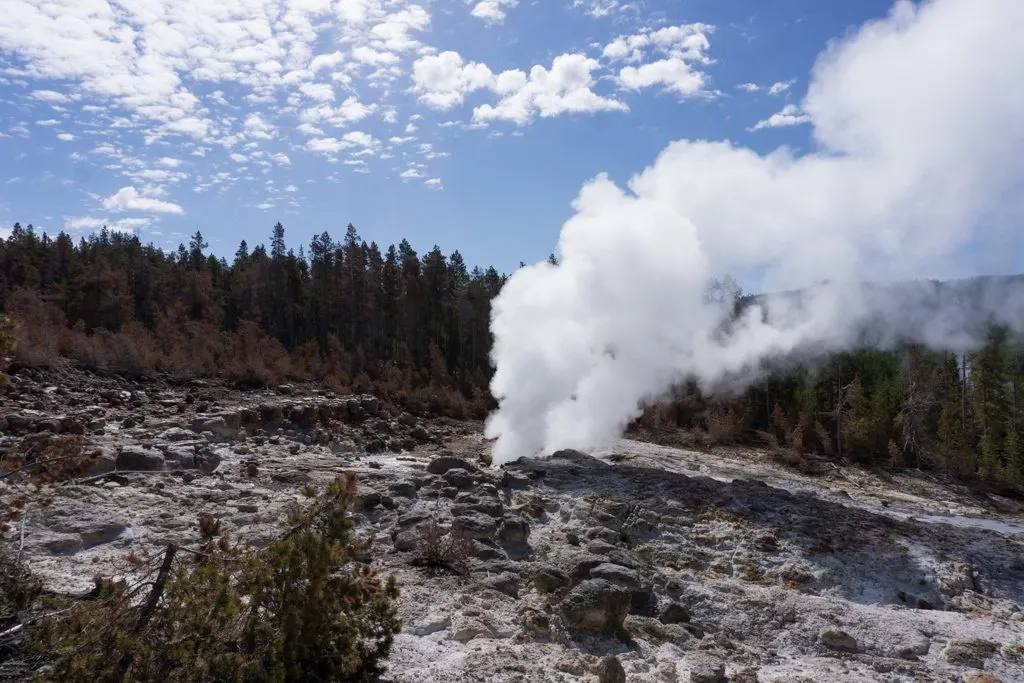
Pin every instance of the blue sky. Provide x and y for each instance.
(469, 124)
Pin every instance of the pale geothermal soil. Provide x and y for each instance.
(692, 563)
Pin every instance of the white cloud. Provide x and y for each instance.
(317, 91)
(626, 48)
(492, 11)
(65, 137)
(444, 80)
(791, 115)
(748, 87)
(89, 223)
(238, 158)
(49, 96)
(781, 87)
(309, 129)
(48, 122)
(394, 32)
(673, 74)
(682, 50)
(433, 183)
(326, 61)
(368, 55)
(169, 162)
(411, 174)
(325, 145)
(159, 175)
(599, 9)
(282, 159)
(259, 128)
(564, 89)
(349, 111)
(128, 199)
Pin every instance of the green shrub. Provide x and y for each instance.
(300, 609)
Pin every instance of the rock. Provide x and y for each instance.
(295, 478)
(673, 613)
(705, 668)
(285, 389)
(834, 639)
(406, 540)
(369, 404)
(514, 532)
(139, 458)
(403, 489)
(105, 462)
(176, 434)
(72, 425)
(610, 670)
(476, 526)
(627, 578)
(446, 463)
(207, 460)
(101, 533)
(595, 604)
(465, 629)
(224, 425)
(90, 530)
(460, 479)
(535, 623)
(969, 652)
(62, 544)
(420, 433)
(550, 580)
(506, 582)
(182, 457)
(581, 569)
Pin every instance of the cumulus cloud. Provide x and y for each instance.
(781, 86)
(682, 50)
(491, 11)
(565, 88)
(49, 96)
(600, 9)
(916, 155)
(444, 80)
(791, 115)
(128, 199)
(317, 91)
(65, 137)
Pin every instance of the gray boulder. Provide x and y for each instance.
(139, 458)
(596, 605)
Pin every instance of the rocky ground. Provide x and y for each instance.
(643, 564)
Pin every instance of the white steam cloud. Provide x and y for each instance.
(918, 123)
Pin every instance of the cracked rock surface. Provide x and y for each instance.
(644, 564)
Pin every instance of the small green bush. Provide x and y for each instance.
(300, 609)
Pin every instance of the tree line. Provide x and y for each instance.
(414, 328)
(343, 312)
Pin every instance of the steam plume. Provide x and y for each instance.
(918, 124)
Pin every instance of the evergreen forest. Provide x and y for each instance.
(413, 329)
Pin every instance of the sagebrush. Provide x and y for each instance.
(301, 609)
